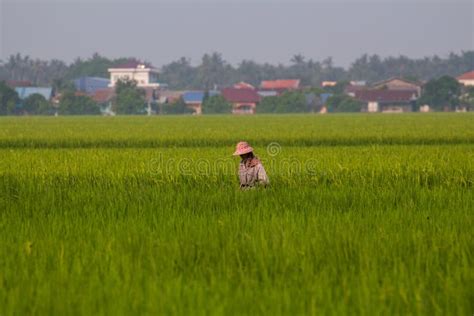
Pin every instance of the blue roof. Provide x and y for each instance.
(193, 96)
(197, 96)
(25, 92)
(91, 84)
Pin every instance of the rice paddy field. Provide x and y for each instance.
(365, 215)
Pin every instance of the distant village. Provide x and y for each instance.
(393, 95)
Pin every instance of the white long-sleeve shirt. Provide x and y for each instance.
(251, 173)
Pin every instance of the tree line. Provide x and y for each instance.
(215, 70)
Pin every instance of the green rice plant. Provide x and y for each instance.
(364, 215)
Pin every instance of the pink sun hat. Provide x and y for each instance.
(242, 148)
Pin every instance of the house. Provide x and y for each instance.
(25, 92)
(244, 101)
(387, 100)
(466, 79)
(398, 84)
(279, 86)
(91, 84)
(193, 100)
(146, 77)
(144, 74)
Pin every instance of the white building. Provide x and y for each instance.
(467, 79)
(145, 75)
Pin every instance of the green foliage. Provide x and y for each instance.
(61, 85)
(291, 102)
(143, 216)
(316, 90)
(214, 70)
(37, 104)
(179, 74)
(268, 104)
(96, 66)
(39, 72)
(177, 107)
(216, 104)
(343, 103)
(440, 93)
(8, 99)
(71, 104)
(288, 102)
(129, 99)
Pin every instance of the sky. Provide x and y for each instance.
(260, 30)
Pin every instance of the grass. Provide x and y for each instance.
(366, 214)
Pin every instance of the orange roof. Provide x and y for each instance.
(467, 76)
(280, 84)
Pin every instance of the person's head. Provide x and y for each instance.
(247, 155)
(244, 150)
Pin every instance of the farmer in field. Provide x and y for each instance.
(251, 171)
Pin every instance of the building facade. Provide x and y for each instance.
(389, 101)
(144, 74)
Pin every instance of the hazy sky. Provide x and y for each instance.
(262, 30)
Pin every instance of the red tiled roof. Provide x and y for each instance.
(234, 95)
(384, 95)
(103, 95)
(132, 64)
(280, 84)
(467, 76)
